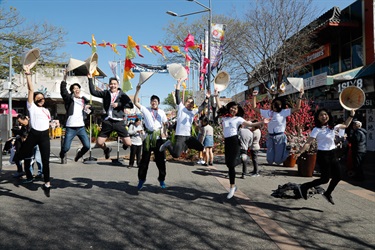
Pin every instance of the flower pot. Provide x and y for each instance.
(290, 162)
(306, 164)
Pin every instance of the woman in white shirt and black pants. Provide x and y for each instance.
(231, 120)
(38, 135)
(324, 133)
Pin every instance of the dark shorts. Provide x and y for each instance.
(112, 125)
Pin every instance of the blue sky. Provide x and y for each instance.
(114, 20)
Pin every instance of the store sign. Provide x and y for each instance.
(318, 54)
(358, 82)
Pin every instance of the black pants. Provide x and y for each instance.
(358, 159)
(145, 160)
(232, 156)
(40, 138)
(135, 151)
(329, 168)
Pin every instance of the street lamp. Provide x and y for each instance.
(206, 9)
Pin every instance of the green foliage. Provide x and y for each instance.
(95, 130)
(19, 35)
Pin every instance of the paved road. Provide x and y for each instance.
(97, 206)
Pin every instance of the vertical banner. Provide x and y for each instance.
(217, 39)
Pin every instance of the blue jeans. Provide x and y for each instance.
(38, 159)
(70, 133)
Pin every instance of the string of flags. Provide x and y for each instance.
(132, 49)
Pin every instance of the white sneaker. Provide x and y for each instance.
(165, 145)
(201, 162)
(231, 192)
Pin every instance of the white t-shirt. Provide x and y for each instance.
(76, 119)
(185, 119)
(39, 117)
(230, 125)
(277, 123)
(153, 119)
(325, 137)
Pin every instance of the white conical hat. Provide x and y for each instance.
(221, 81)
(73, 64)
(144, 76)
(296, 82)
(177, 71)
(92, 63)
(352, 97)
(30, 57)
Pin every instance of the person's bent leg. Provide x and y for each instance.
(84, 138)
(70, 133)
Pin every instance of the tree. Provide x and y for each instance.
(17, 36)
(273, 40)
(270, 38)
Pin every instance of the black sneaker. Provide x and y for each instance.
(107, 152)
(78, 155)
(328, 197)
(302, 191)
(46, 190)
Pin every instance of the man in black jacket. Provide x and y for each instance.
(77, 107)
(114, 103)
(358, 141)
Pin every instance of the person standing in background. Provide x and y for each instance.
(358, 140)
(136, 133)
(254, 149)
(206, 137)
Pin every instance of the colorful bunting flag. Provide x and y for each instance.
(93, 44)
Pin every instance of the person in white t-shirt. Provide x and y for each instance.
(324, 133)
(77, 107)
(38, 134)
(276, 142)
(185, 119)
(231, 119)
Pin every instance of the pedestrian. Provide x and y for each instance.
(246, 140)
(136, 133)
(40, 118)
(185, 119)
(324, 133)
(231, 119)
(19, 136)
(206, 137)
(77, 108)
(358, 140)
(277, 150)
(156, 123)
(115, 101)
(254, 149)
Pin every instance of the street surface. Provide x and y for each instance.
(98, 206)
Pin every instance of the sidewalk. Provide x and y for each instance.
(97, 206)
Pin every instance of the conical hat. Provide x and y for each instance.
(352, 97)
(30, 57)
(297, 83)
(73, 64)
(92, 63)
(177, 71)
(221, 81)
(144, 76)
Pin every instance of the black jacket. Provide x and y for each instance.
(122, 100)
(69, 100)
(359, 140)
